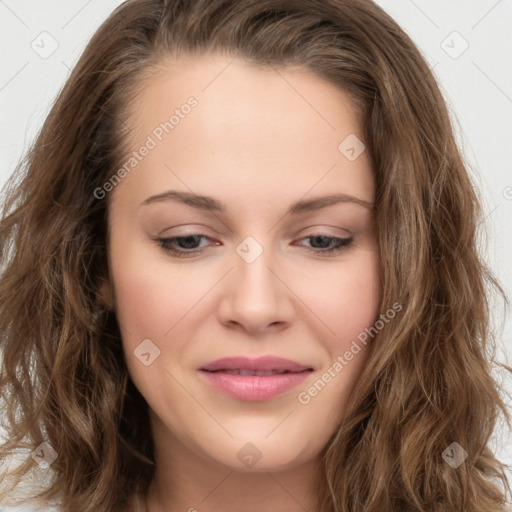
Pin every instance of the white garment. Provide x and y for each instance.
(138, 504)
(27, 508)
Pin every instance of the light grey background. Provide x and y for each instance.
(477, 83)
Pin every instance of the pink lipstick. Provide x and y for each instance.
(254, 380)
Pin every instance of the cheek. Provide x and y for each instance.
(348, 300)
(152, 301)
(350, 307)
(143, 304)
(151, 296)
(348, 304)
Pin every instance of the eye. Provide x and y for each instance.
(340, 244)
(184, 246)
(188, 244)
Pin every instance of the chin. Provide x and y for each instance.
(262, 455)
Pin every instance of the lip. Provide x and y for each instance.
(254, 388)
(264, 363)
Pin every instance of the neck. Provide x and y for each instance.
(192, 482)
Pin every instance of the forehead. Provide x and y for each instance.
(251, 128)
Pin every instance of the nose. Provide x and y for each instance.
(255, 297)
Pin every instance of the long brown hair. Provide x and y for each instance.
(428, 382)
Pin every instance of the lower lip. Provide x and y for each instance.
(253, 388)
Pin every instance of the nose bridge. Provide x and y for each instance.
(255, 296)
(252, 275)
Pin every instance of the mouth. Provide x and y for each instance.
(253, 380)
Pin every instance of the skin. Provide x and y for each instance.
(258, 140)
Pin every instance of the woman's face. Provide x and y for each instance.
(254, 279)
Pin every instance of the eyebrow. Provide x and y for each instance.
(214, 205)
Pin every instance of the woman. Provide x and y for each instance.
(240, 272)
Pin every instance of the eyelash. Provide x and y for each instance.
(165, 243)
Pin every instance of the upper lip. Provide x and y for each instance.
(264, 363)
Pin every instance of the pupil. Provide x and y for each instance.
(322, 238)
(185, 241)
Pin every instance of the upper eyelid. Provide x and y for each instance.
(366, 209)
(200, 231)
(212, 239)
(319, 232)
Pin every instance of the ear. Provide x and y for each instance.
(105, 294)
